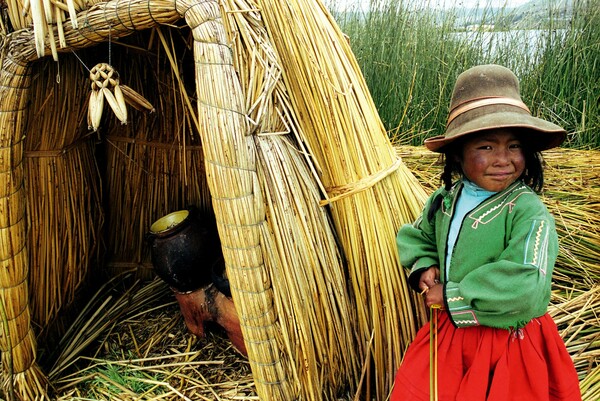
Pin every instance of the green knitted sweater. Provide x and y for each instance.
(501, 269)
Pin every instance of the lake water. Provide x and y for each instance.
(527, 43)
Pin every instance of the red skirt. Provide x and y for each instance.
(483, 363)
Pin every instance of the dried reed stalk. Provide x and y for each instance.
(21, 376)
(137, 347)
(104, 21)
(369, 190)
(237, 199)
(63, 195)
(302, 257)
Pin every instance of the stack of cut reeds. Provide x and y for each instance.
(238, 201)
(315, 311)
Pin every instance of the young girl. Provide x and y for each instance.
(483, 250)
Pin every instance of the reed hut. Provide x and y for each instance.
(115, 113)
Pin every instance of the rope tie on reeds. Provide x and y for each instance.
(56, 152)
(197, 3)
(239, 168)
(18, 313)
(226, 224)
(245, 291)
(364, 183)
(11, 225)
(221, 107)
(132, 29)
(157, 145)
(12, 167)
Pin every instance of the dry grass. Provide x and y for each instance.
(141, 350)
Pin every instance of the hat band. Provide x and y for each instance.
(485, 102)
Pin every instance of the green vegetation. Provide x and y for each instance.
(410, 58)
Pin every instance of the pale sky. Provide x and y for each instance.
(364, 4)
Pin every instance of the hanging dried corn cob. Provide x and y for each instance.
(106, 85)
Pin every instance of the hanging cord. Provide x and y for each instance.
(109, 44)
(80, 60)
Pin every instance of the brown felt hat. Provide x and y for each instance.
(487, 97)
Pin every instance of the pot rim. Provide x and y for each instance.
(169, 222)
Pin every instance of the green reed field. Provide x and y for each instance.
(410, 57)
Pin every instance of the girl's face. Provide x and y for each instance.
(493, 159)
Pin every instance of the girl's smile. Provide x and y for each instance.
(493, 159)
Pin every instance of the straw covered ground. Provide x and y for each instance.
(132, 344)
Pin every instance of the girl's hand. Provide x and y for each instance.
(435, 296)
(429, 278)
(430, 286)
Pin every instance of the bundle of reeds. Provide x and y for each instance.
(64, 209)
(316, 313)
(290, 299)
(370, 192)
(105, 21)
(20, 374)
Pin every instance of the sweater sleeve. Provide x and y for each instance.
(509, 291)
(417, 247)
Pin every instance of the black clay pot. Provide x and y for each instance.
(184, 249)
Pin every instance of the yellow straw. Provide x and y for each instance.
(433, 353)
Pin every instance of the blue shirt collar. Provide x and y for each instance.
(474, 190)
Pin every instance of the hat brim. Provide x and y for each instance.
(541, 134)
